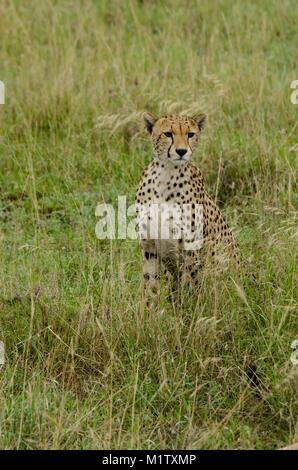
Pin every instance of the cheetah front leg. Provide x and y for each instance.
(151, 274)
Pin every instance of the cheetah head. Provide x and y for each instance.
(174, 138)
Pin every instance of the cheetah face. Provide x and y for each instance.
(174, 138)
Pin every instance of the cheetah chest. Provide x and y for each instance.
(165, 209)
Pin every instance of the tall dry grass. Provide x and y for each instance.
(87, 366)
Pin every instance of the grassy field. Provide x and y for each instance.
(87, 366)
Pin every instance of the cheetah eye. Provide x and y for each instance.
(191, 134)
(168, 134)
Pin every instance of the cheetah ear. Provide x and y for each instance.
(149, 120)
(200, 120)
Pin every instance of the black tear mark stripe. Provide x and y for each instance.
(189, 141)
(171, 143)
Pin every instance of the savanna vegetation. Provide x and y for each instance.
(87, 365)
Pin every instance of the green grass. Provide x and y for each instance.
(86, 365)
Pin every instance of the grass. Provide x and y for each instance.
(87, 367)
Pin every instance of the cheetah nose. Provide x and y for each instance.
(181, 152)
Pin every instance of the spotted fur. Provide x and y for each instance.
(173, 179)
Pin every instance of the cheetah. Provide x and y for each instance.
(172, 180)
